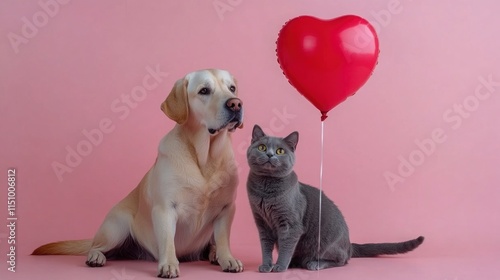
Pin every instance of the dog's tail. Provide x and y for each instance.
(376, 249)
(70, 247)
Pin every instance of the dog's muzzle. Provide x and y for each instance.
(234, 107)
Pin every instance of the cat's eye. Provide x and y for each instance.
(262, 148)
(280, 151)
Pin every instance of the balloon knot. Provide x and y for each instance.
(323, 116)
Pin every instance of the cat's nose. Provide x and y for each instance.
(269, 155)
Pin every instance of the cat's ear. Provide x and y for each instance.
(292, 140)
(257, 133)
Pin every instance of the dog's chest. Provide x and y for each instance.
(206, 195)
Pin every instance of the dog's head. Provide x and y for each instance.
(207, 98)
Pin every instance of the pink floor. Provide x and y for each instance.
(418, 266)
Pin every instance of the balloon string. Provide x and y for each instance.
(320, 189)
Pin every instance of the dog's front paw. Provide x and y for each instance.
(95, 259)
(265, 268)
(169, 270)
(230, 265)
(279, 268)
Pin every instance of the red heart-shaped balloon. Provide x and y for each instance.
(327, 60)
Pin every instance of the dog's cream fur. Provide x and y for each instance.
(187, 199)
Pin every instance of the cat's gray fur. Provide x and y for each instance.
(286, 213)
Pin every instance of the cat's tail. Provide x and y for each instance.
(375, 249)
(70, 247)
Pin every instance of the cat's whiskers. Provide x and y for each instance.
(275, 162)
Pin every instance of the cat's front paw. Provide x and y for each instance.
(279, 268)
(266, 268)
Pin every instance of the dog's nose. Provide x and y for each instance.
(234, 104)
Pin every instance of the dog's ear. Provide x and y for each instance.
(176, 105)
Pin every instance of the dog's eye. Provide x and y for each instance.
(232, 89)
(204, 91)
(280, 151)
(262, 147)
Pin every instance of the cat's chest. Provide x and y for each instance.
(276, 200)
(276, 211)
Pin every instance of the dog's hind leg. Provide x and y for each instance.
(212, 252)
(112, 233)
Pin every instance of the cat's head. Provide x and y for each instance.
(271, 156)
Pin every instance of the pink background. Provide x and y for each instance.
(65, 78)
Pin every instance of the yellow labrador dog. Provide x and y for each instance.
(183, 208)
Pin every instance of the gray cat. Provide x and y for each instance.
(286, 213)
